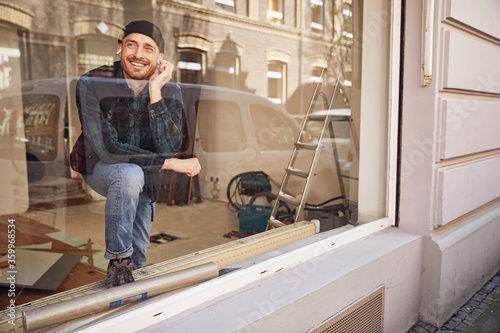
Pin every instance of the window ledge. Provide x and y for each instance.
(163, 307)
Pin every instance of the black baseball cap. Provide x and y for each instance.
(146, 28)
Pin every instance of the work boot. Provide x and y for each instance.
(119, 272)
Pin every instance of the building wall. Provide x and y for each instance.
(450, 152)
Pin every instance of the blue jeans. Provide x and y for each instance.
(128, 210)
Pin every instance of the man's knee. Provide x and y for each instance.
(131, 178)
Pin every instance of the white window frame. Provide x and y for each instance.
(275, 16)
(278, 76)
(189, 65)
(193, 66)
(170, 305)
(317, 25)
(228, 3)
(347, 13)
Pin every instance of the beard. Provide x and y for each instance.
(135, 71)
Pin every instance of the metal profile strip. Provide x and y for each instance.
(110, 298)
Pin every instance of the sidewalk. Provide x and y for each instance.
(481, 314)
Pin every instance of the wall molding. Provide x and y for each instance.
(15, 16)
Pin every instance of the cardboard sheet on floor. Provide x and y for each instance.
(44, 246)
(68, 238)
(39, 270)
(97, 256)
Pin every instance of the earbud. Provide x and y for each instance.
(118, 52)
(158, 61)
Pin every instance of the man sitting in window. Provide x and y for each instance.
(131, 129)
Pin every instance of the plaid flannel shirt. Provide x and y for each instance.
(119, 127)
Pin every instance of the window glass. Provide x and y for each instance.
(11, 125)
(347, 33)
(239, 90)
(226, 70)
(275, 11)
(227, 5)
(190, 66)
(41, 114)
(272, 130)
(10, 56)
(93, 53)
(275, 81)
(11, 118)
(317, 14)
(13, 157)
(316, 76)
(220, 126)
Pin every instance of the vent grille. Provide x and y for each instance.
(364, 316)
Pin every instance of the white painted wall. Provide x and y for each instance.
(451, 151)
(457, 261)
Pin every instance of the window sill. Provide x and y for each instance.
(163, 307)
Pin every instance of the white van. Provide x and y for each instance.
(238, 132)
(229, 131)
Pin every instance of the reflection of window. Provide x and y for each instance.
(41, 116)
(228, 5)
(320, 102)
(316, 74)
(11, 126)
(276, 81)
(347, 14)
(191, 31)
(346, 88)
(95, 52)
(190, 66)
(9, 58)
(226, 70)
(275, 11)
(314, 126)
(220, 126)
(317, 14)
(272, 130)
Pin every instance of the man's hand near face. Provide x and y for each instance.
(162, 75)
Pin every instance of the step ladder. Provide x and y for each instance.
(299, 201)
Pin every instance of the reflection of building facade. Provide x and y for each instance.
(222, 43)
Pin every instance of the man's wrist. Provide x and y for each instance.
(167, 164)
(155, 91)
(156, 107)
